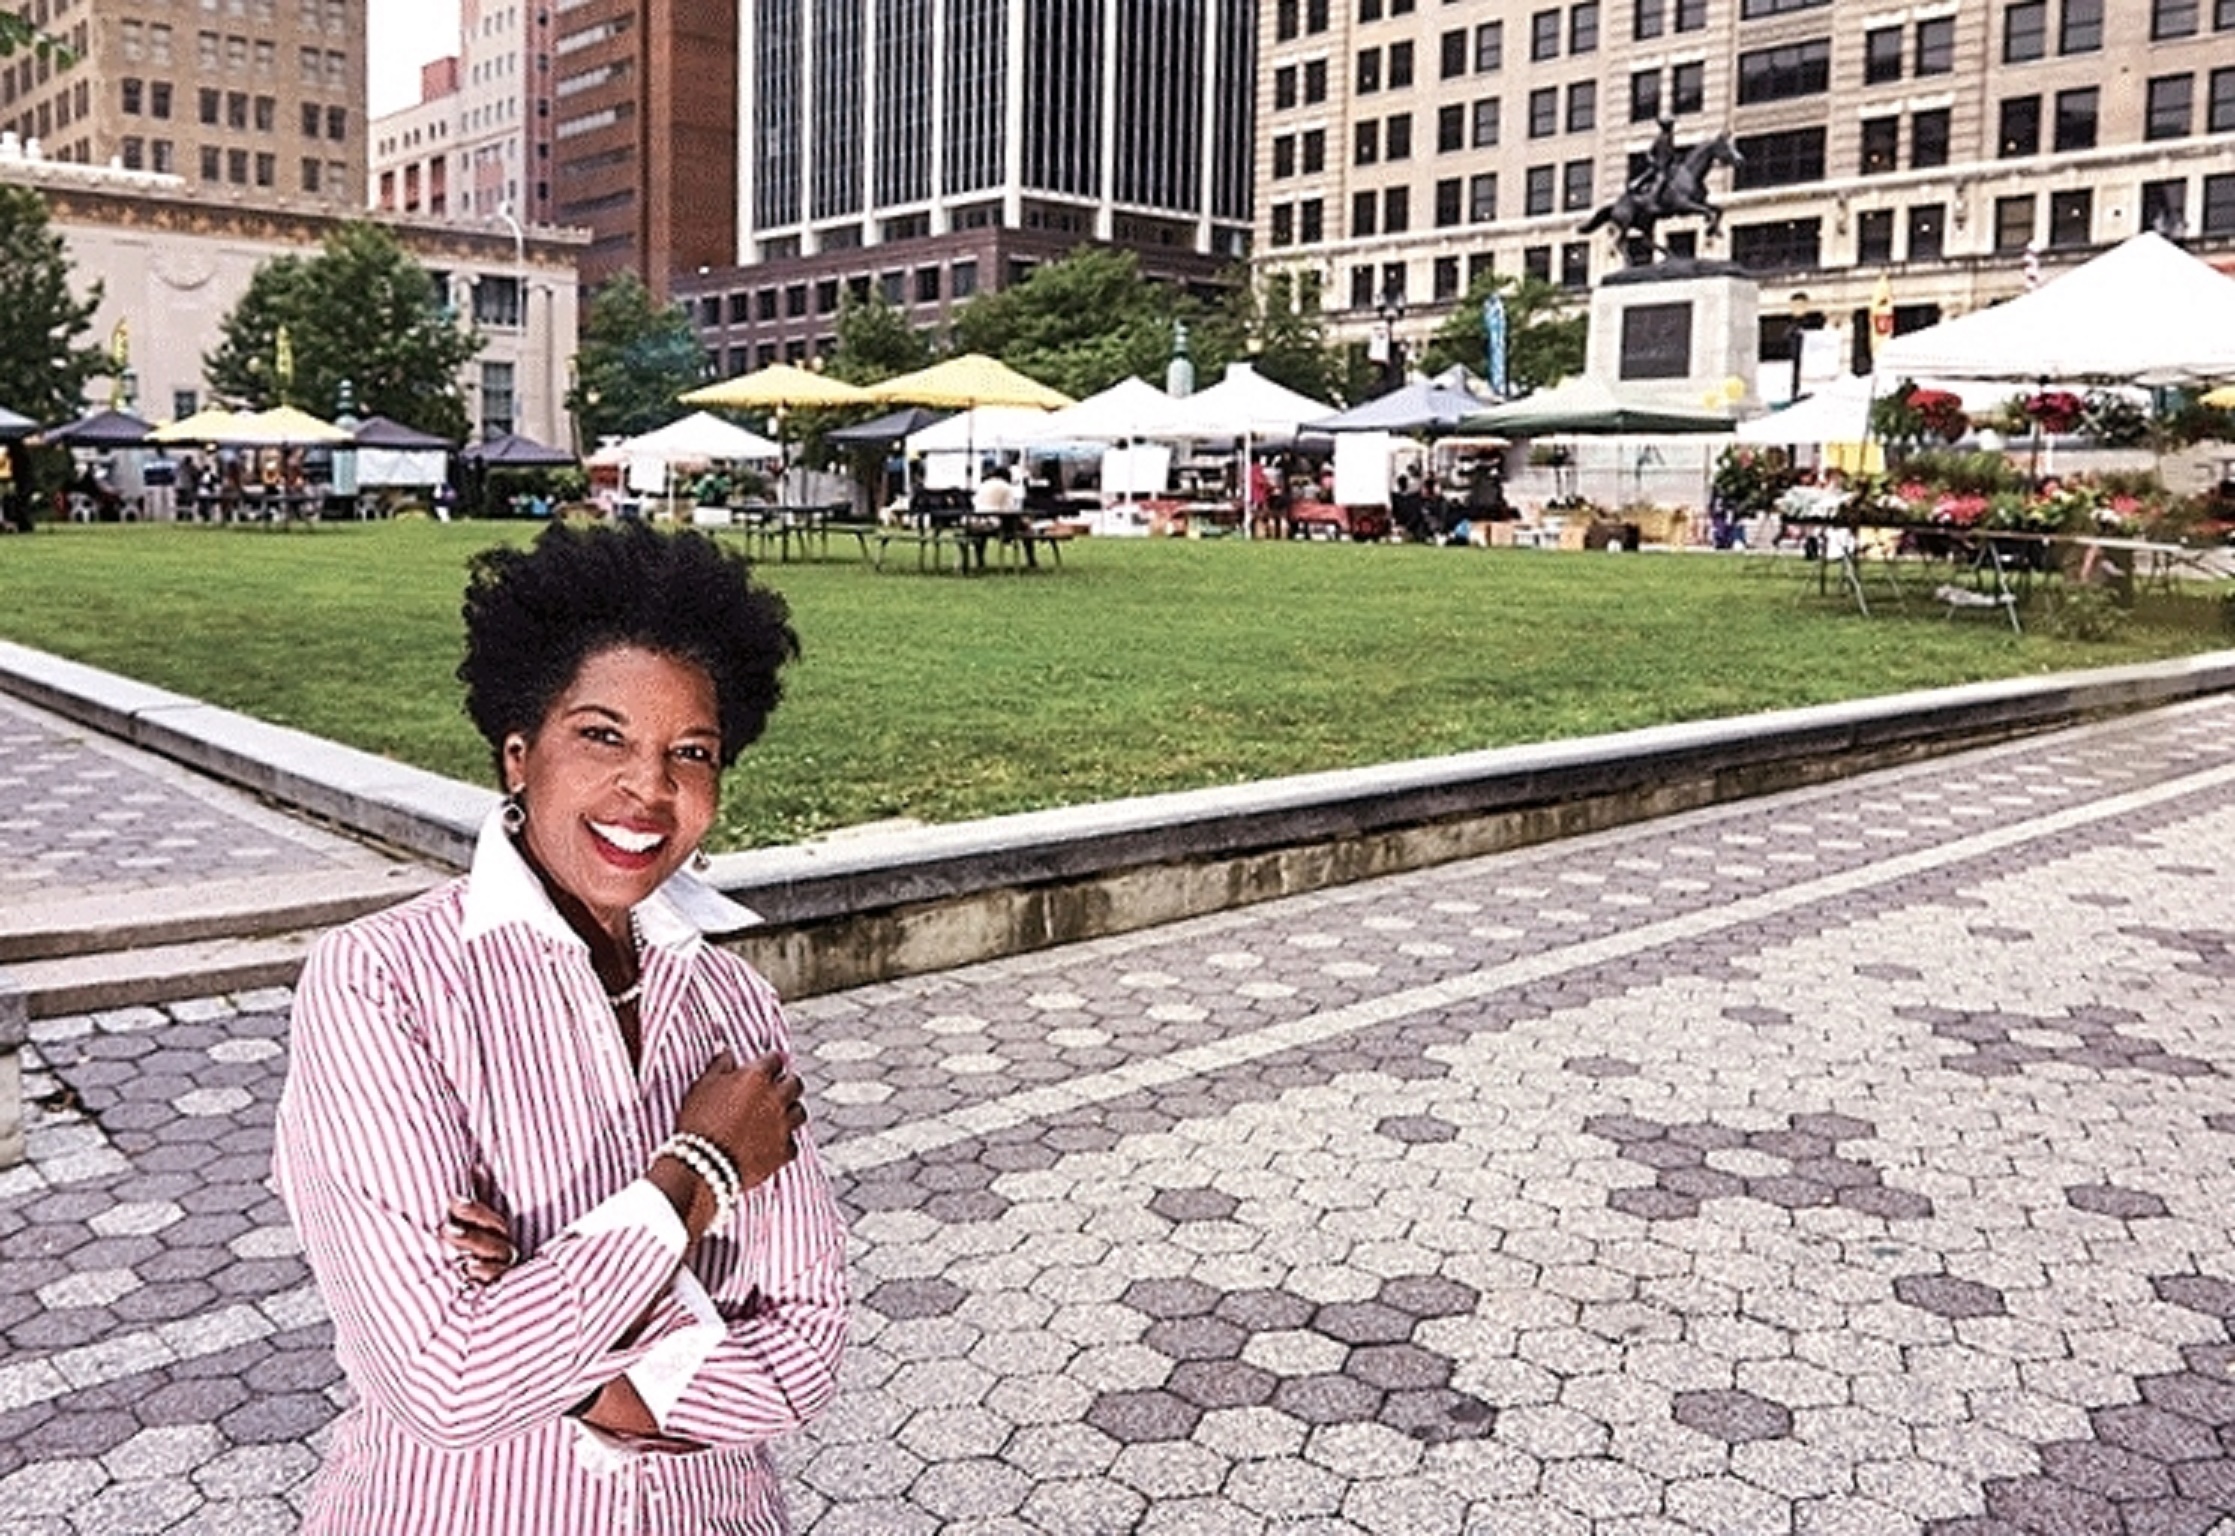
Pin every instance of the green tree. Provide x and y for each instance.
(1280, 329)
(875, 341)
(1544, 334)
(17, 31)
(43, 366)
(362, 310)
(1079, 324)
(636, 356)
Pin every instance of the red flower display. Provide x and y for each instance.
(2055, 411)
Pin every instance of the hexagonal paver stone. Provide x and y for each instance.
(2039, 1504)
(1650, 1202)
(2207, 1294)
(1946, 1296)
(1200, 1203)
(1416, 1130)
(2111, 1200)
(1398, 1367)
(929, 1297)
(1362, 1322)
(2155, 1433)
(1133, 1417)
(1222, 1384)
(1196, 1338)
(1329, 1399)
(1600, 1066)
(1733, 1416)
(2116, 1474)
(1265, 1311)
(1426, 1296)
(1439, 1414)
(1170, 1298)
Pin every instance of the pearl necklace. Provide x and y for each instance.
(634, 989)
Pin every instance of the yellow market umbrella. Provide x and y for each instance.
(2220, 399)
(779, 386)
(971, 379)
(207, 425)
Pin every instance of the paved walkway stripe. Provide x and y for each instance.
(915, 1138)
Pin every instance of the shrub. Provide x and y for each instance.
(2080, 613)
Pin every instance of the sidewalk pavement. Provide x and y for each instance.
(1851, 1160)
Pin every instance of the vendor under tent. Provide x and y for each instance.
(390, 454)
(1835, 421)
(2143, 312)
(1130, 410)
(649, 461)
(1256, 410)
(950, 449)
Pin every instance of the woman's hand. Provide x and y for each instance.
(751, 1112)
(476, 1234)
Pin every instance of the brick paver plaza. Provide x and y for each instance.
(1856, 1160)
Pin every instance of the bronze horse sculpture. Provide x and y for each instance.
(1679, 192)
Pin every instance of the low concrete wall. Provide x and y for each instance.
(848, 910)
(15, 1029)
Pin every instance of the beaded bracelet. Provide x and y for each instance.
(712, 1166)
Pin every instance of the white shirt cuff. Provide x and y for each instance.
(640, 1205)
(661, 1377)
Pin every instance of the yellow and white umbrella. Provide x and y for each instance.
(778, 387)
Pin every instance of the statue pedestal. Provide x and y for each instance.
(1675, 334)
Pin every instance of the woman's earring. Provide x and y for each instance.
(700, 863)
(515, 816)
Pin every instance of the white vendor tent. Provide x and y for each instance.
(1247, 404)
(2144, 312)
(699, 438)
(1128, 411)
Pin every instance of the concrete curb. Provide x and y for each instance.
(848, 910)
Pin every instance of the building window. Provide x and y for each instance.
(1284, 88)
(2080, 28)
(1754, 10)
(159, 99)
(1311, 220)
(1396, 137)
(1489, 47)
(1575, 184)
(2076, 118)
(1366, 142)
(1446, 279)
(1881, 145)
(1781, 245)
(135, 153)
(1365, 213)
(236, 109)
(1536, 191)
(1315, 17)
(1400, 65)
(1287, 21)
(1645, 95)
(1482, 198)
(1369, 70)
(129, 93)
(1874, 235)
(213, 163)
(2071, 218)
(1583, 27)
(1687, 89)
(1449, 205)
(2172, 18)
(1315, 81)
(2020, 133)
(2025, 32)
(311, 115)
(1284, 156)
(2013, 223)
(1648, 19)
(2165, 207)
(267, 114)
(1575, 264)
(162, 157)
(1779, 74)
(1928, 139)
(1936, 47)
(2170, 104)
(1396, 210)
(1486, 122)
(1881, 55)
(1544, 35)
(2219, 111)
(2218, 211)
(1781, 159)
(206, 107)
(1284, 225)
(927, 286)
(1369, 10)
(1926, 221)
(267, 169)
(1583, 106)
(1314, 151)
(1452, 52)
(1536, 262)
(1544, 112)
(1451, 129)
(496, 399)
(1691, 15)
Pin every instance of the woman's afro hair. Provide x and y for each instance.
(534, 615)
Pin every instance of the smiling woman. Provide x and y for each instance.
(517, 1104)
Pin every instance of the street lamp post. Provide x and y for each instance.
(1391, 308)
(520, 297)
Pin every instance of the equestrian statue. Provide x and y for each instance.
(1672, 184)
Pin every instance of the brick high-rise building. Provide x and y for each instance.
(1405, 145)
(255, 102)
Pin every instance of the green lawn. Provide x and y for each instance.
(1139, 666)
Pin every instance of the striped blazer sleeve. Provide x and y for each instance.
(373, 1144)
